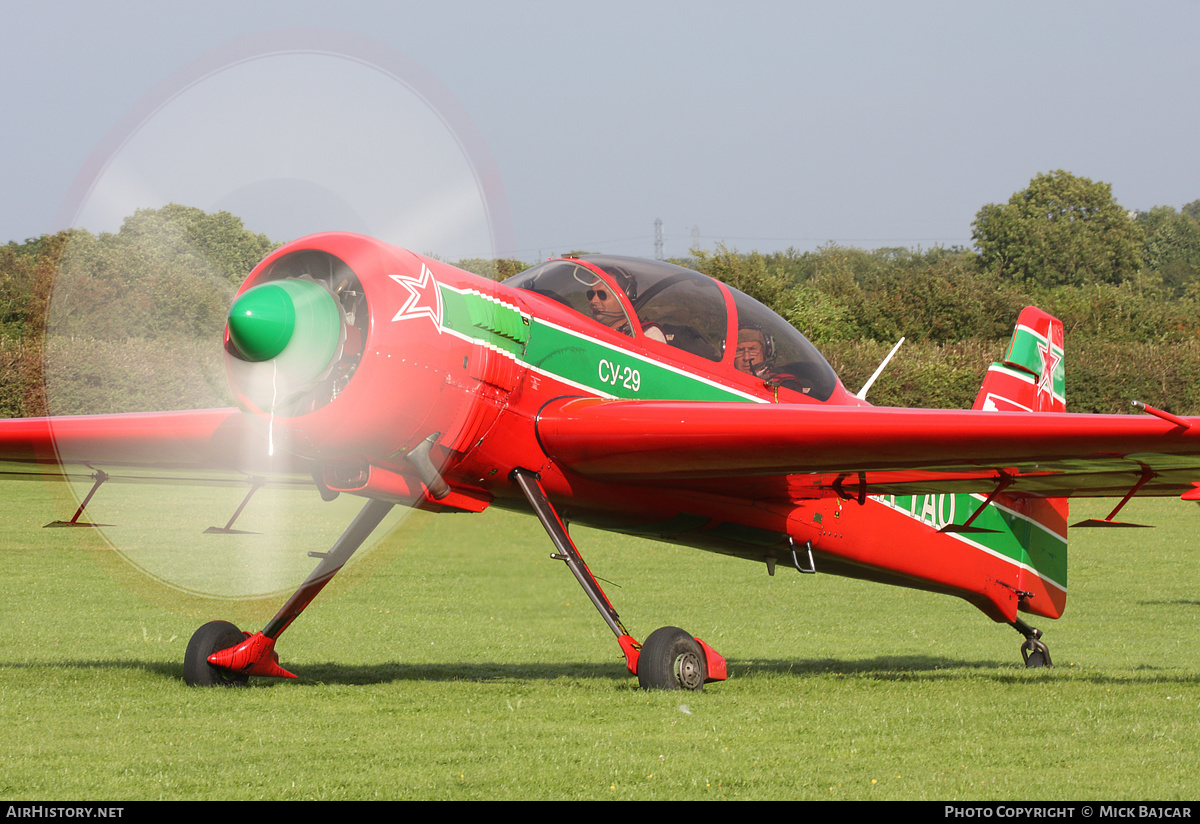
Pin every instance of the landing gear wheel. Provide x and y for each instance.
(1034, 651)
(1036, 654)
(212, 637)
(671, 660)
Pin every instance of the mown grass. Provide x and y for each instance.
(460, 662)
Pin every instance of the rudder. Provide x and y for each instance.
(1031, 378)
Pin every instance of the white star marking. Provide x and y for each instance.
(1049, 364)
(424, 297)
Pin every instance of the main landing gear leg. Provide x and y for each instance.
(220, 654)
(671, 659)
(1033, 651)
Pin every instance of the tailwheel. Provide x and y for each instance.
(671, 659)
(1034, 651)
(1037, 658)
(212, 637)
(1036, 654)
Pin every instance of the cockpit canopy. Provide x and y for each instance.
(685, 310)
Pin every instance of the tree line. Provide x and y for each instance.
(137, 315)
(1126, 286)
(124, 321)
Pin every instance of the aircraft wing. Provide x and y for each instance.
(202, 446)
(760, 450)
(801, 450)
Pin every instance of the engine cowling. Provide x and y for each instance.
(336, 340)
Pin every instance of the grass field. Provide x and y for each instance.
(459, 662)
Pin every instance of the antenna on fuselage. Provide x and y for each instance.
(862, 393)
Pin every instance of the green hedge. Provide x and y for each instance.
(136, 319)
(1102, 376)
(87, 375)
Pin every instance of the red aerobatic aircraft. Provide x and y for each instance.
(633, 396)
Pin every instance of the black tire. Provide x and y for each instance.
(1036, 660)
(212, 637)
(671, 660)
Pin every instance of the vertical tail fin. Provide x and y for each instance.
(1031, 379)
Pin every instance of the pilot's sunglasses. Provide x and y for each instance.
(591, 293)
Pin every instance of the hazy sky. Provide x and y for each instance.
(531, 128)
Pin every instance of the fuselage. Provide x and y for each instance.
(435, 394)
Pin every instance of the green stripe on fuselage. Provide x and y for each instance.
(614, 371)
(485, 320)
(1015, 537)
(571, 356)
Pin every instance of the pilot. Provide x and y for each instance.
(755, 354)
(751, 353)
(606, 308)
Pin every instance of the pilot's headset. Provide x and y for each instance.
(625, 281)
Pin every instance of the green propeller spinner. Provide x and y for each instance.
(296, 316)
